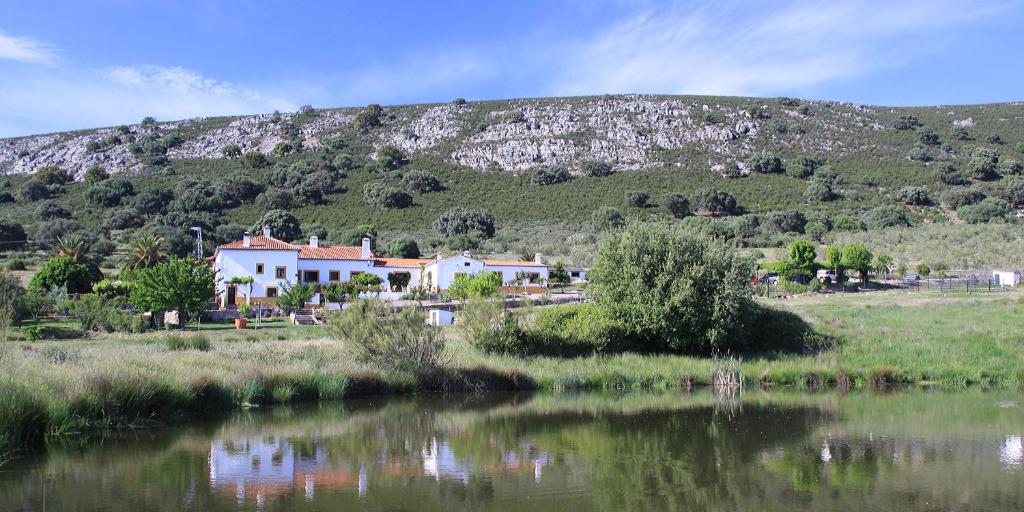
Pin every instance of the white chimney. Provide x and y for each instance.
(266, 230)
(467, 254)
(538, 258)
(440, 256)
(367, 253)
(314, 241)
(246, 239)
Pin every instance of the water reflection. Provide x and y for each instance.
(634, 452)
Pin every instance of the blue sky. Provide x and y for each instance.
(81, 64)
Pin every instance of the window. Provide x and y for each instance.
(311, 276)
(271, 291)
(259, 268)
(334, 275)
(281, 272)
(532, 277)
(354, 273)
(466, 264)
(574, 274)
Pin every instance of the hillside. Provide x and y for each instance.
(541, 167)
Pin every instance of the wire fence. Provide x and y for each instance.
(766, 288)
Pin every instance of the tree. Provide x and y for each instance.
(605, 218)
(484, 284)
(390, 158)
(558, 275)
(398, 280)
(834, 260)
(366, 282)
(12, 302)
(144, 252)
(887, 216)
(677, 204)
(923, 270)
(950, 175)
(765, 163)
(369, 117)
(421, 182)
(49, 210)
(714, 202)
(857, 257)
(595, 169)
(673, 289)
(255, 160)
(550, 176)
(928, 136)
(53, 175)
(12, 235)
(72, 246)
(283, 225)
(637, 199)
(1010, 167)
(283, 148)
(802, 167)
(231, 151)
(988, 209)
(294, 296)
(95, 174)
(384, 196)
(403, 247)
(152, 200)
(954, 198)
(802, 255)
(913, 195)
(461, 221)
(882, 264)
(983, 164)
(109, 193)
(959, 133)
(63, 271)
(355, 235)
(33, 190)
(178, 284)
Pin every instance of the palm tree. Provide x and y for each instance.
(71, 246)
(144, 252)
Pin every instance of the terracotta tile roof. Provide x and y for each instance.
(261, 242)
(512, 263)
(330, 253)
(401, 262)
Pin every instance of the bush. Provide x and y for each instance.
(637, 199)
(12, 235)
(276, 199)
(52, 175)
(403, 247)
(983, 164)
(383, 196)
(597, 169)
(959, 133)
(994, 139)
(390, 158)
(255, 160)
(492, 329)
(187, 342)
(672, 289)
(421, 182)
(1009, 167)
(677, 204)
(765, 163)
(550, 176)
(152, 200)
(887, 216)
(231, 151)
(63, 271)
(906, 122)
(928, 136)
(34, 190)
(283, 225)
(123, 219)
(95, 174)
(913, 195)
(950, 175)
(986, 210)
(49, 210)
(461, 221)
(605, 218)
(711, 201)
(283, 148)
(369, 117)
(954, 198)
(109, 193)
(574, 330)
(802, 167)
(393, 341)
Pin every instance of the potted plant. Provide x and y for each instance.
(243, 314)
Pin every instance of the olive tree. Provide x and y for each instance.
(178, 284)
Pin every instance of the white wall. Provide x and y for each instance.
(508, 272)
(443, 271)
(242, 262)
(348, 266)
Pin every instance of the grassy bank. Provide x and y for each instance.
(891, 338)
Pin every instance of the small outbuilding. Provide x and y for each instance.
(1006, 277)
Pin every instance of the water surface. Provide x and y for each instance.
(858, 452)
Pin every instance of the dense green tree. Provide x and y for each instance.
(34, 190)
(765, 163)
(178, 284)
(49, 210)
(913, 195)
(403, 247)
(95, 174)
(421, 182)
(12, 235)
(606, 217)
(984, 211)
(294, 296)
(276, 199)
(802, 167)
(677, 204)
(983, 164)
(152, 200)
(802, 254)
(550, 176)
(882, 264)
(714, 202)
(857, 257)
(384, 196)
(354, 236)
(834, 259)
(484, 284)
(558, 275)
(283, 225)
(886, 216)
(461, 221)
(124, 218)
(63, 271)
(637, 198)
(673, 289)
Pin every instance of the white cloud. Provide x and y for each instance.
(63, 99)
(753, 49)
(25, 50)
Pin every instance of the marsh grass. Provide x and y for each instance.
(187, 342)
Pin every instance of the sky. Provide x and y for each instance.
(80, 64)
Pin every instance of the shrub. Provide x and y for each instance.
(109, 193)
(919, 153)
(276, 199)
(52, 175)
(255, 160)
(817, 191)
(606, 217)
(637, 199)
(123, 219)
(231, 151)
(95, 174)
(677, 204)
(49, 210)
(959, 133)
(597, 169)
(393, 341)
(983, 211)
(886, 216)
(672, 289)
(956, 197)
(802, 167)
(913, 195)
(573, 330)
(369, 117)
(421, 182)
(34, 190)
(461, 221)
(152, 200)
(403, 247)
(484, 284)
(283, 225)
(1009, 167)
(383, 196)
(63, 271)
(550, 176)
(187, 342)
(784, 222)
(928, 136)
(492, 329)
(994, 139)
(950, 175)
(906, 122)
(983, 164)
(765, 163)
(711, 201)
(1012, 189)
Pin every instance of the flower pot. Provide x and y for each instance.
(240, 323)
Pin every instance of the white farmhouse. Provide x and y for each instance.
(271, 263)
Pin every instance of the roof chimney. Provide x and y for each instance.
(467, 254)
(314, 241)
(367, 253)
(246, 239)
(538, 258)
(440, 256)
(266, 230)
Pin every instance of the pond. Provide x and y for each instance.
(912, 451)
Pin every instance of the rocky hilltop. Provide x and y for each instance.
(629, 132)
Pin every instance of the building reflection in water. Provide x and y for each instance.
(255, 469)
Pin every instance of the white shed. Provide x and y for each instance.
(440, 317)
(1006, 277)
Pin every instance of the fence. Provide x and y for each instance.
(943, 285)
